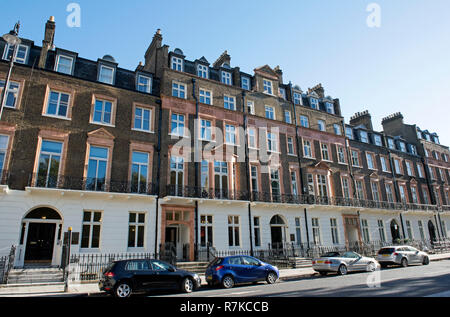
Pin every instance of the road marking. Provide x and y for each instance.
(241, 293)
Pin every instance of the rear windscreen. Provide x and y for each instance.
(216, 261)
(386, 251)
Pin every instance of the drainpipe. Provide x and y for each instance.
(158, 174)
(307, 230)
(196, 163)
(247, 172)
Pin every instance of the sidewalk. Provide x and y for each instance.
(57, 290)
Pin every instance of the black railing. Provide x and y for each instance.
(205, 192)
(6, 264)
(91, 184)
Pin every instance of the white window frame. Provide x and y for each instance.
(229, 102)
(146, 88)
(290, 145)
(269, 112)
(230, 134)
(321, 125)
(15, 91)
(297, 98)
(8, 47)
(137, 225)
(58, 60)
(150, 114)
(251, 107)
(202, 71)
(179, 90)
(304, 121)
(235, 227)
(268, 87)
(205, 129)
(245, 83)
(101, 76)
(204, 97)
(330, 107)
(252, 138)
(272, 141)
(180, 124)
(91, 223)
(226, 78)
(176, 63)
(287, 116)
(58, 105)
(314, 103)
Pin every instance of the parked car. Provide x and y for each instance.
(402, 255)
(239, 269)
(342, 263)
(122, 278)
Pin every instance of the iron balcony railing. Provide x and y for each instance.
(205, 192)
(92, 184)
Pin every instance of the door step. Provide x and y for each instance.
(33, 276)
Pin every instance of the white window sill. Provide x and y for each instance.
(56, 117)
(103, 124)
(145, 131)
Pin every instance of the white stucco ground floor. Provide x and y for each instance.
(35, 221)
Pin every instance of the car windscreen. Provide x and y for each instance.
(216, 261)
(386, 251)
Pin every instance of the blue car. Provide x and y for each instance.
(239, 269)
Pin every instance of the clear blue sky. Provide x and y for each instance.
(402, 66)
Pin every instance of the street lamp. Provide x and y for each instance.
(13, 40)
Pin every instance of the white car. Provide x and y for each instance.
(342, 263)
(401, 255)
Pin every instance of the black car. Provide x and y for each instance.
(122, 278)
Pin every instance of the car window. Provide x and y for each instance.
(386, 251)
(350, 255)
(249, 261)
(235, 261)
(160, 266)
(137, 266)
(412, 249)
(330, 255)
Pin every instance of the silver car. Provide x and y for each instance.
(402, 255)
(342, 263)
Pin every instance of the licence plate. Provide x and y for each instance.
(386, 255)
(209, 277)
(320, 262)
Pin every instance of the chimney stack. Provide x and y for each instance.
(362, 118)
(48, 42)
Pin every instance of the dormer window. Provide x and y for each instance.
(436, 139)
(349, 133)
(377, 140)
(21, 53)
(64, 64)
(202, 71)
(267, 87)
(314, 103)
(330, 107)
(106, 74)
(402, 146)
(144, 84)
(391, 144)
(297, 98)
(226, 78)
(419, 135)
(245, 83)
(282, 92)
(413, 149)
(177, 63)
(364, 137)
(427, 137)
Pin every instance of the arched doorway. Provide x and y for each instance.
(432, 230)
(278, 231)
(41, 231)
(395, 231)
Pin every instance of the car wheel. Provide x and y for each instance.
(371, 267)
(426, 260)
(342, 270)
(123, 290)
(228, 282)
(271, 278)
(187, 285)
(404, 262)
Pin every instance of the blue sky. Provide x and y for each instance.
(404, 65)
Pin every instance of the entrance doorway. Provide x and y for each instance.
(395, 231)
(432, 230)
(352, 232)
(41, 231)
(277, 231)
(40, 242)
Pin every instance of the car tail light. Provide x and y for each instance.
(109, 274)
(219, 268)
(313, 262)
(328, 262)
(395, 254)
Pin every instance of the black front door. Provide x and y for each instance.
(432, 231)
(40, 241)
(277, 237)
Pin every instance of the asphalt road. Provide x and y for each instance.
(414, 281)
